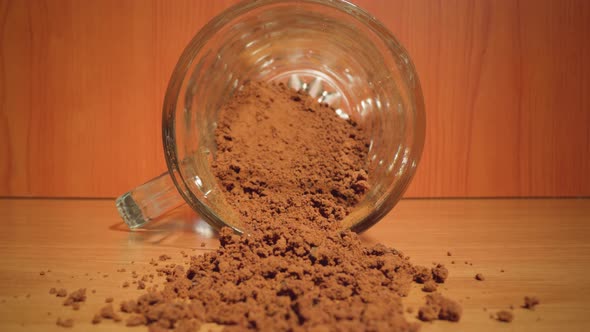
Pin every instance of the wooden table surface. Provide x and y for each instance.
(542, 245)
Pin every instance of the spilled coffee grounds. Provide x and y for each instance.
(292, 169)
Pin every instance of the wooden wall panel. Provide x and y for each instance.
(506, 85)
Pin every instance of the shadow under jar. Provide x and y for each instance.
(333, 50)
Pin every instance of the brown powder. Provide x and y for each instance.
(283, 157)
(292, 169)
(62, 292)
(108, 312)
(504, 316)
(75, 298)
(68, 323)
(422, 274)
(440, 307)
(163, 258)
(284, 277)
(136, 320)
(129, 306)
(530, 302)
(96, 319)
(429, 286)
(440, 273)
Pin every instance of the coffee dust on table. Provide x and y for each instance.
(292, 170)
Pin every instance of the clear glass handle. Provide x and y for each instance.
(149, 201)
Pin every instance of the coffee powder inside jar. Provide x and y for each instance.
(284, 158)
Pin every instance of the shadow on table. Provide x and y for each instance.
(182, 220)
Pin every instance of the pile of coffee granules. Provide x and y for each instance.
(292, 169)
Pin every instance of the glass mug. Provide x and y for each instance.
(332, 49)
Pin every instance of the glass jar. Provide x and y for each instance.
(333, 50)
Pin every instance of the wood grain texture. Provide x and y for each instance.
(87, 240)
(506, 85)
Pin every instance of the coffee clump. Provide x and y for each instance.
(530, 302)
(504, 316)
(440, 307)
